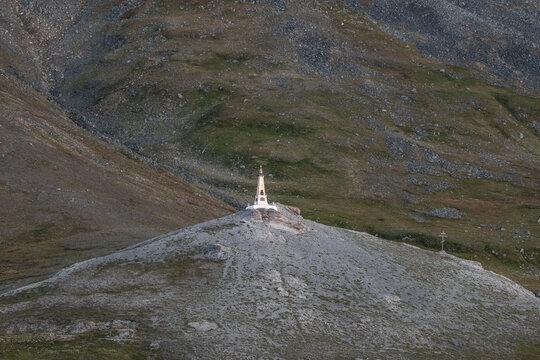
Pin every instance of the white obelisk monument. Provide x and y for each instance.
(261, 200)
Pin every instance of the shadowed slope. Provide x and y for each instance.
(67, 196)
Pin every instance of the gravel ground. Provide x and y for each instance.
(271, 284)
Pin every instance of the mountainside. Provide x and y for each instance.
(498, 39)
(67, 196)
(270, 284)
(402, 119)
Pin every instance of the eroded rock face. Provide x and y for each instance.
(270, 284)
(286, 218)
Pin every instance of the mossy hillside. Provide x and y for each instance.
(203, 96)
(38, 251)
(87, 346)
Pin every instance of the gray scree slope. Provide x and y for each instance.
(271, 284)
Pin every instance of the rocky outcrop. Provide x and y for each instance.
(445, 213)
(285, 219)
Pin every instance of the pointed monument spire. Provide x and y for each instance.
(261, 200)
(260, 196)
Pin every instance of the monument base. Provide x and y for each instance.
(269, 207)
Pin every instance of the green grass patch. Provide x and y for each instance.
(524, 109)
(429, 241)
(225, 61)
(50, 231)
(28, 295)
(92, 345)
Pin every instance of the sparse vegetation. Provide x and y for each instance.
(87, 346)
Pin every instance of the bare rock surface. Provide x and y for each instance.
(203, 325)
(271, 284)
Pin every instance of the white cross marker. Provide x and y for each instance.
(443, 236)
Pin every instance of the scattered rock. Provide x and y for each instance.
(445, 213)
(293, 209)
(215, 252)
(417, 217)
(203, 326)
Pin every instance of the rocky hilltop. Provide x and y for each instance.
(270, 284)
